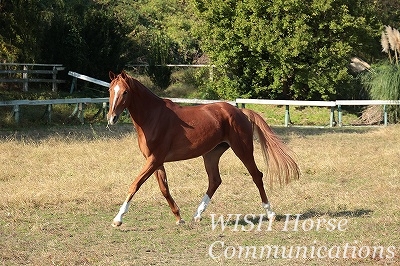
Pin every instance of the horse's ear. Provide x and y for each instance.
(111, 75)
(123, 74)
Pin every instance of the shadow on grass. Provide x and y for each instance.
(310, 214)
(79, 132)
(313, 131)
(99, 130)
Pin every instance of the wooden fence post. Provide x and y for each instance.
(25, 76)
(211, 73)
(105, 104)
(73, 85)
(385, 115)
(49, 108)
(81, 112)
(287, 116)
(16, 113)
(54, 84)
(332, 116)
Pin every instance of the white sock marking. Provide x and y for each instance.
(202, 207)
(124, 208)
(267, 207)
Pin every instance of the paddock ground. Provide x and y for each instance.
(61, 187)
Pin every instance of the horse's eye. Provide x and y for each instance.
(125, 93)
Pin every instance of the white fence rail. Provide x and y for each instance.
(76, 76)
(81, 102)
(79, 109)
(331, 104)
(288, 103)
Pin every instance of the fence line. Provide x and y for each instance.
(288, 103)
(27, 70)
(385, 103)
(331, 104)
(80, 103)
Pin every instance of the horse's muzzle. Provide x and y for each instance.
(113, 119)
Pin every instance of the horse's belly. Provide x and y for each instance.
(200, 131)
(192, 146)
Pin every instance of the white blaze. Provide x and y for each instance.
(116, 90)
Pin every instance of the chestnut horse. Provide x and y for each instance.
(168, 132)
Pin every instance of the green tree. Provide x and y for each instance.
(285, 48)
(158, 58)
(88, 38)
(174, 19)
(21, 24)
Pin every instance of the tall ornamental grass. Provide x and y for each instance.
(383, 79)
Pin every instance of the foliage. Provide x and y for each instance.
(383, 81)
(285, 49)
(84, 36)
(270, 49)
(390, 41)
(158, 57)
(8, 52)
(72, 39)
(17, 19)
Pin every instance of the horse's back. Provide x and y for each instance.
(198, 129)
(219, 114)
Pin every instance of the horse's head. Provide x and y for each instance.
(119, 96)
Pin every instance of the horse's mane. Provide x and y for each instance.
(133, 83)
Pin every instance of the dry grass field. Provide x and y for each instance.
(61, 187)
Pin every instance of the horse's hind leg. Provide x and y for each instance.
(257, 179)
(244, 151)
(163, 184)
(211, 160)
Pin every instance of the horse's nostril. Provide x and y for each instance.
(115, 119)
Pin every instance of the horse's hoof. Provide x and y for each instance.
(271, 216)
(181, 221)
(197, 219)
(116, 223)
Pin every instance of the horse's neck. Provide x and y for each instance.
(145, 104)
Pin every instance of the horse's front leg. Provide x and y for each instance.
(146, 172)
(163, 184)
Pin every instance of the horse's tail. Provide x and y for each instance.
(280, 163)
